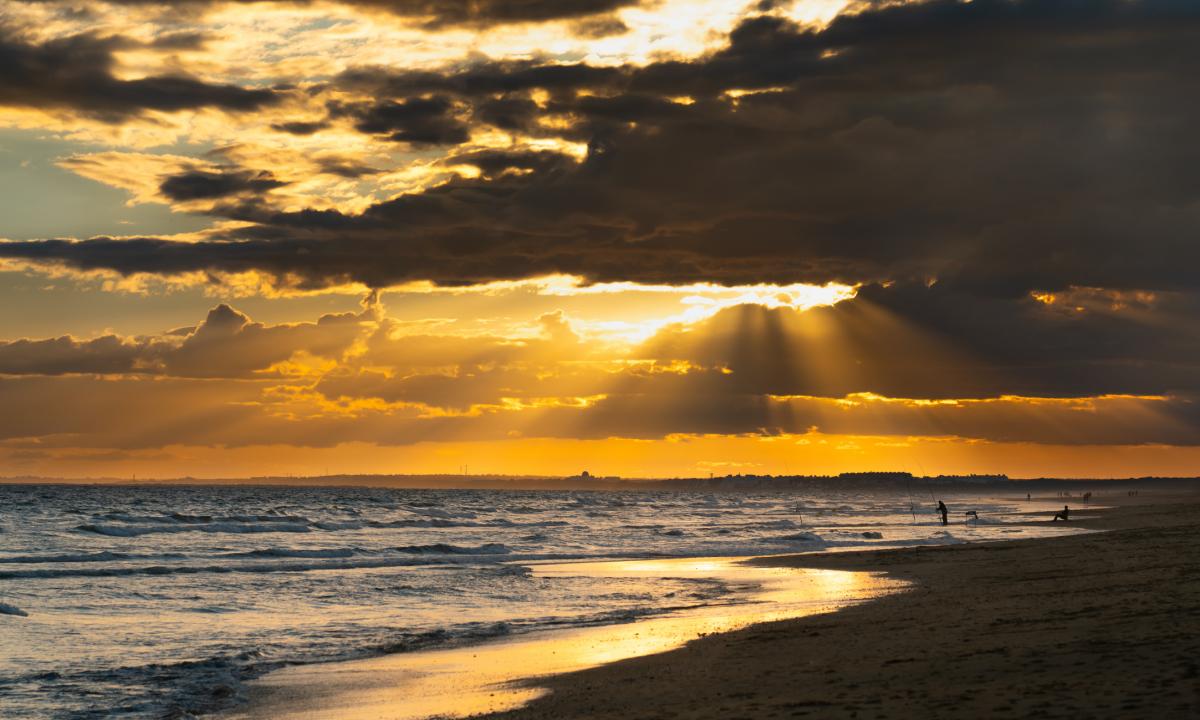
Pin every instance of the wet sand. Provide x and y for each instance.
(1097, 625)
(487, 677)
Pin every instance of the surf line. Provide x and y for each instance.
(501, 674)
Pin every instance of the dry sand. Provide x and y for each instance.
(1097, 625)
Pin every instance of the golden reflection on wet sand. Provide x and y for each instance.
(455, 682)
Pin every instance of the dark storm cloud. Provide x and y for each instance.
(497, 162)
(486, 79)
(455, 392)
(600, 27)
(76, 73)
(910, 341)
(754, 370)
(999, 146)
(57, 356)
(132, 412)
(228, 344)
(181, 40)
(1114, 421)
(419, 121)
(496, 12)
(749, 370)
(1003, 148)
(344, 167)
(895, 361)
(301, 127)
(471, 13)
(231, 415)
(205, 185)
(515, 114)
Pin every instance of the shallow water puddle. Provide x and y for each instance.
(455, 682)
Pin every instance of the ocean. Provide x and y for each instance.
(161, 601)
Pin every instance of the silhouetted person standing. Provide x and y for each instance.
(1064, 515)
(944, 512)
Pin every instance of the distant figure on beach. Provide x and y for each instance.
(1064, 515)
(942, 509)
(1028, 496)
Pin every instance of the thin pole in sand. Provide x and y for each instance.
(911, 505)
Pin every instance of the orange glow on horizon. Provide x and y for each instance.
(675, 456)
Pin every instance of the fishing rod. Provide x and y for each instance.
(928, 489)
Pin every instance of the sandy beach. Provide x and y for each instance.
(1096, 625)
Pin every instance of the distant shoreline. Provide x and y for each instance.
(917, 485)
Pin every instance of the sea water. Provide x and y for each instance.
(161, 601)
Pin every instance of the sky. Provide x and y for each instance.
(643, 238)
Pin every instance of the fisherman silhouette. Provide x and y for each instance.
(1064, 515)
(941, 508)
